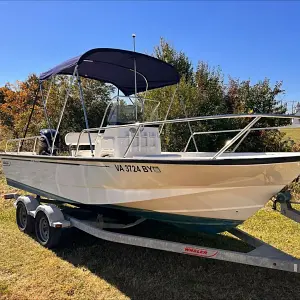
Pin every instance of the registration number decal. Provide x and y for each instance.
(135, 169)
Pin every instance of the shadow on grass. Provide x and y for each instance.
(142, 273)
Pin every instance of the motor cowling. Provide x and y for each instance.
(46, 141)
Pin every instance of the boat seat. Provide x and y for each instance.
(71, 138)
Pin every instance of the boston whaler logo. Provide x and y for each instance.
(200, 252)
(135, 169)
(6, 163)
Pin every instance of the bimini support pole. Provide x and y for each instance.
(49, 90)
(63, 109)
(185, 113)
(135, 83)
(30, 116)
(45, 102)
(189, 125)
(84, 110)
(118, 106)
(169, 108)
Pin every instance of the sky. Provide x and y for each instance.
(248, 40)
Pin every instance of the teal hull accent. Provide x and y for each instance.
(198, 224)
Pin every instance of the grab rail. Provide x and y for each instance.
(19, 140)
(232, 141)
(229, 131)
(242, 131)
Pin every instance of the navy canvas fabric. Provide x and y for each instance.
(116, 66)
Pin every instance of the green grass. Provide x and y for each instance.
(292, 133)
(87, 268)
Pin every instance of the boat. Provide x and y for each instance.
(120, 167)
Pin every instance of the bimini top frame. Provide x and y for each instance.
(130, 71)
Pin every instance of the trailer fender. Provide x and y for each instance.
(30, 203)
(55, 216)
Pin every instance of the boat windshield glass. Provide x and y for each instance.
(127, 111)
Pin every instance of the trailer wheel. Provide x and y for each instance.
(46, 235)
(25, 222)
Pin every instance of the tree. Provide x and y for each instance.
(15, 106)
(16, 103)
(241, 97)
(179, 60)
(203, 92)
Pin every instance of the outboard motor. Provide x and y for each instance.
(46, 140)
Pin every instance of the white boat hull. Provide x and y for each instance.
(223, 190)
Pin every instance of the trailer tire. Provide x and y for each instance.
(25, 222)
(46, 235)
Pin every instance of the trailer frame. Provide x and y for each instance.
(263, 255)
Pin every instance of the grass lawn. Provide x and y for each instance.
(87, 268)
(293, 133)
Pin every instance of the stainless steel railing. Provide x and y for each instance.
(21, 140)
(240, 132)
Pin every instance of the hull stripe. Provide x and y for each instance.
(219, 161)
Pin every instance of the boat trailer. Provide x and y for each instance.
(46, 220)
